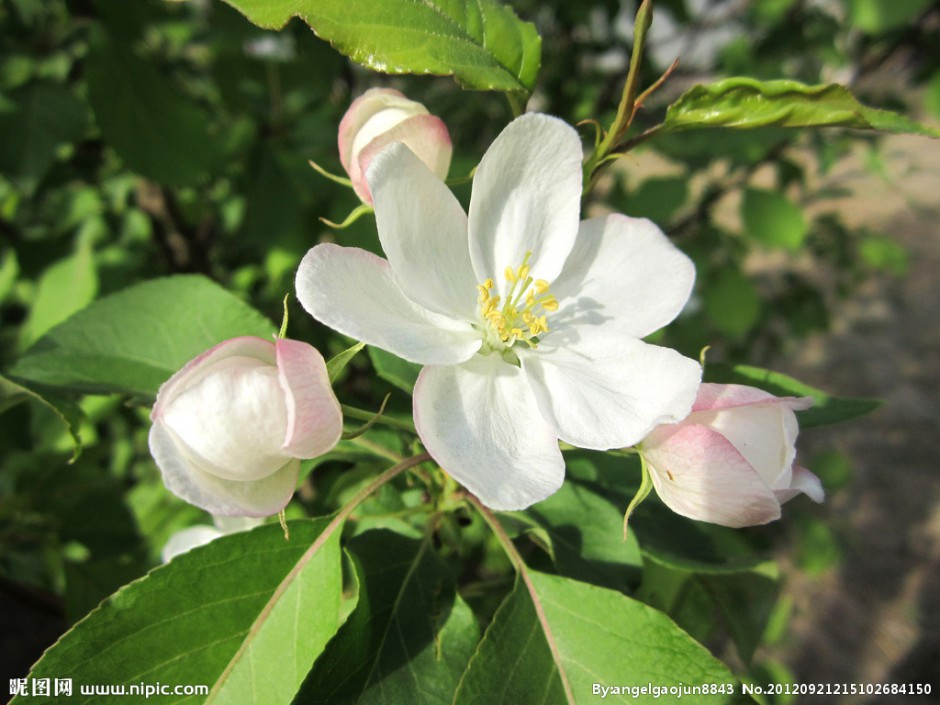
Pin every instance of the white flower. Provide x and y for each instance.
(529, 324)
(230, 427)
(383, 116)
(731, 461)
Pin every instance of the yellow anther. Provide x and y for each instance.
(516, 316)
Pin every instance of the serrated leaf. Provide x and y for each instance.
(394, 370)
(247, 613)
(827, 409)
(557, 641)
(745, 103)
(134, 340)
(409, 638)
(481, 43)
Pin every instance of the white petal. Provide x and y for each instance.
(423, 231)
(803, 481)
(625, 272)
(233, 421)
(425, 135)
(601, 392)
(760, 434)
(314, 418)
(481, 423)
(356, 293)
(526, 197)
(699, 474)
(193, 484)
(197, 368)
(232, 525)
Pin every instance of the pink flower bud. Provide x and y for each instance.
(229, 429)
(730, 461)
(380, 117)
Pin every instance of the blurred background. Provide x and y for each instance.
(152, 138)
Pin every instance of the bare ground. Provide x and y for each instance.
(876, 618)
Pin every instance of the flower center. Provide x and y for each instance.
(521, 315)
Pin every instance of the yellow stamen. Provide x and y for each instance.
(507, 316)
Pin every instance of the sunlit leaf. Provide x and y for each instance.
(598, 637)
(224, 615)
(482, 44)
(410, 637)
(133, 341)
(747, 103)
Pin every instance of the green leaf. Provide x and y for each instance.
(827, 409)
(410, 637)
(560, 630)
(393, 369)
(64, 409)
(693, 547)
(932, 96)
(9, 271)
(247, 613)
(149, 123)
(133, 341)
(338, 363)
(658, 198)
(773, 219)
(743, 600)
(34, 121)
(481, 43)
(732, 303)
(745, 103)
(884, 253)
(876, 16)
(746, 603)
(65, 287)
(585, 527)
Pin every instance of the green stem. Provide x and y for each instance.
(517, 102)
(363, 494)
(644, 18)
(363, 415)
(377, 449)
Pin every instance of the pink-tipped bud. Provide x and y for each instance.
(230, 428)
(383, 116)
(731, 461)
